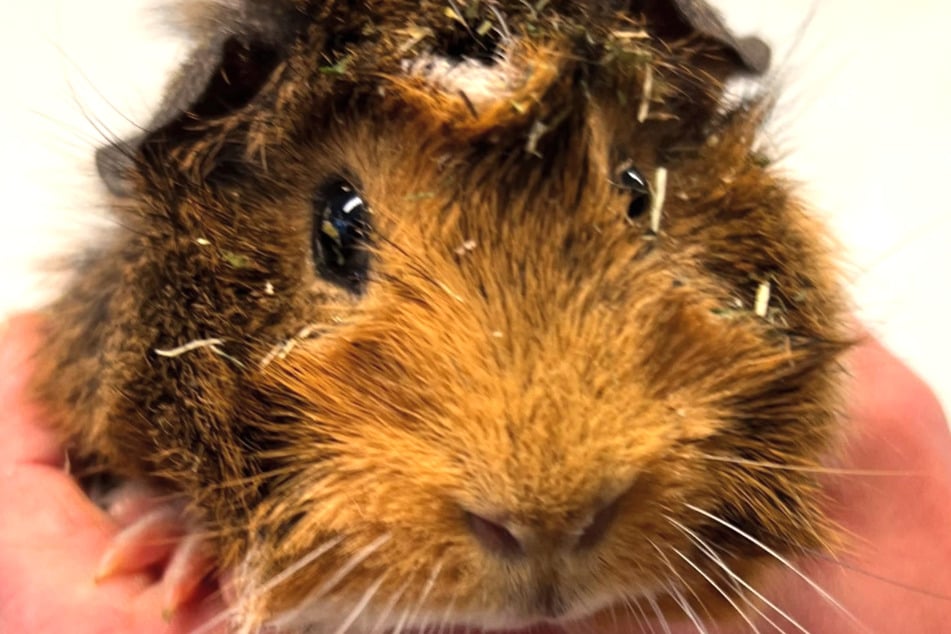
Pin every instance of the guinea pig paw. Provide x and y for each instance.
(189, 565)
(154, 534)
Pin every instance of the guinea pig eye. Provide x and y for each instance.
(341, 234)
(631, 179)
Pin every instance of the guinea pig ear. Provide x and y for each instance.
(242, 46)
(752, 53)
(215, 82)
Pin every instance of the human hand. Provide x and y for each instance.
(52, 536)
(896, 504)
(898, 579)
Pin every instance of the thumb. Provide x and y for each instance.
(24, 440)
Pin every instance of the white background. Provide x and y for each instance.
(865, 125)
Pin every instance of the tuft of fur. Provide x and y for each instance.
(522, 347)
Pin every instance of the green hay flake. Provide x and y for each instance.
(236, 260)
(340, 68)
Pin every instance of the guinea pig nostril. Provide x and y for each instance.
(598, 528)
(493, 536)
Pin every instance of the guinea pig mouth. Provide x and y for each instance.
(564, 619)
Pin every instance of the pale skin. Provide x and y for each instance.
(898, 578)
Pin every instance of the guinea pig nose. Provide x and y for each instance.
(494, 536)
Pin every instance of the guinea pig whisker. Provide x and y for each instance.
(296, 567)
(582, 627)
(634, 607)
(716, 587)
(446, 620)
(655, 607)
(430, 583)
(410, 614)
(329, 584)
(784, 561)
(872, 575)
(360, 606)
(388, 608)
(759, 464)
(257, 593)
(401, 622)
(684, 604)
(78, 141)
(614, 621)
(78, 69)
(355, 560)
(683, 583)
(97, 124)
(299, 614)
(670, 589)
(632, 602)
(707, 550)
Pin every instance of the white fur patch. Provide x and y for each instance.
(480, 82)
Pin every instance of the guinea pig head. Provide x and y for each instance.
(499, 315)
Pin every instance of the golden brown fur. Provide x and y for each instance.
(521, 349)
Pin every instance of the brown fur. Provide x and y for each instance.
(570, 357)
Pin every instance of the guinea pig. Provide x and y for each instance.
(459, 314)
